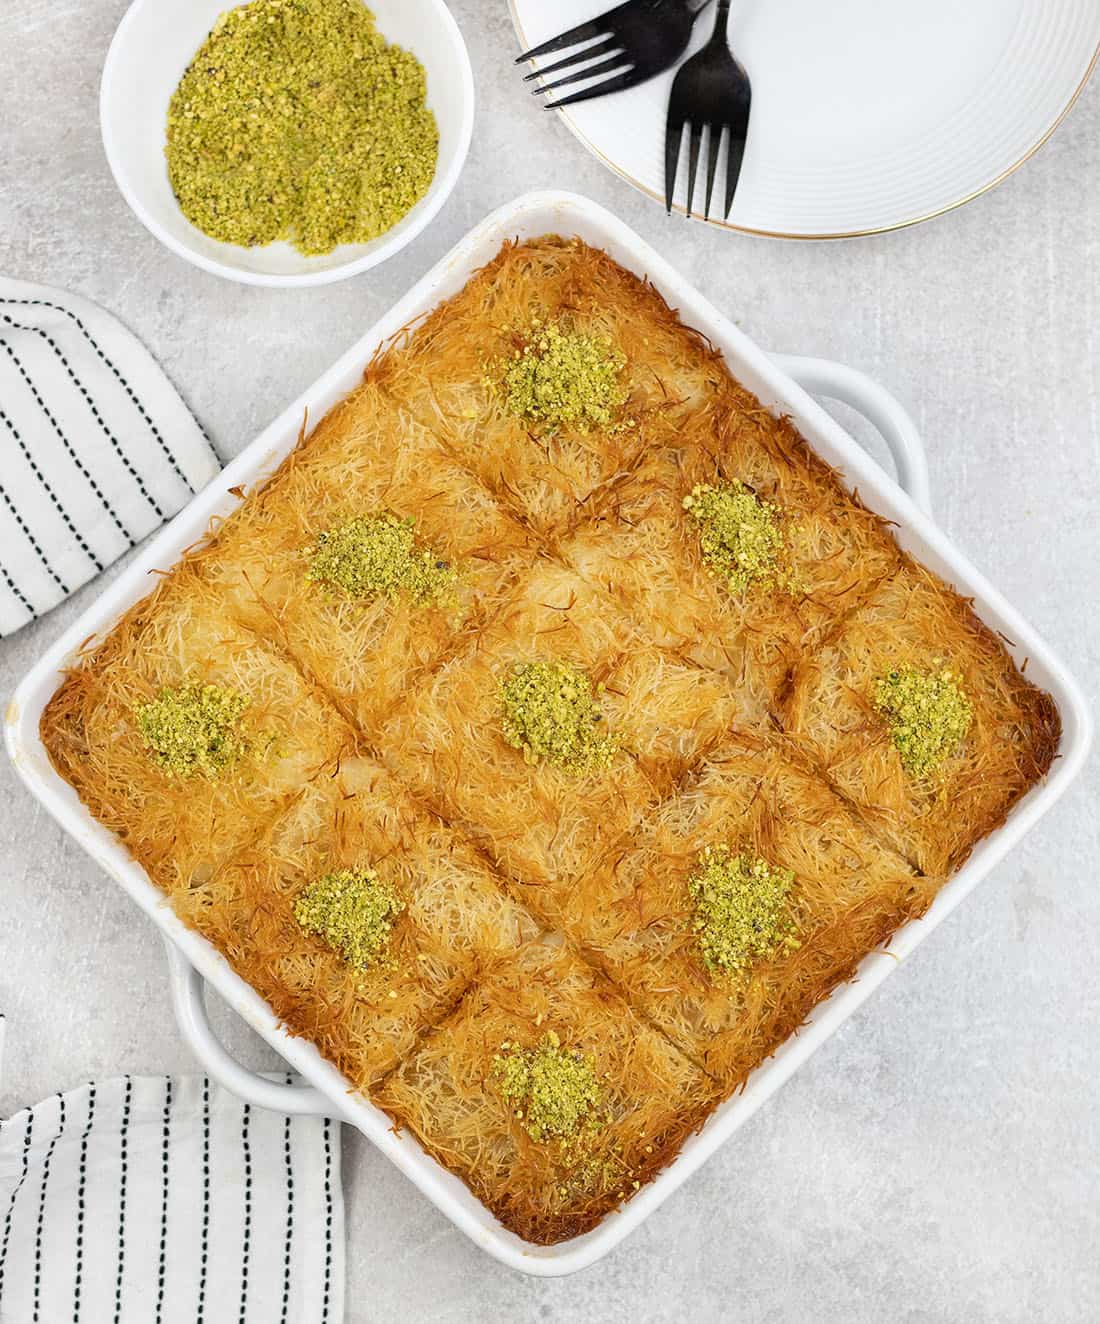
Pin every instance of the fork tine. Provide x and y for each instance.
(616, 83)
(582, 32)
(714, 142)
(674, 137)
(693, 161)
(736, 154)
(589, 53)
(606, 67)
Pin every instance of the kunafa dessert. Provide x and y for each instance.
(549, 734)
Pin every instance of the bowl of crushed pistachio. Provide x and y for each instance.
(286, 142)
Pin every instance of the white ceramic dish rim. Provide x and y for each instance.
(426, 211)
(328, 1092)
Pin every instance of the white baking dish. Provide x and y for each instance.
(776, 382)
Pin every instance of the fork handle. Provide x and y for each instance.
(719, 37)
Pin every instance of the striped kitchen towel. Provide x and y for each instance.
(153, 1200)
(98, 447)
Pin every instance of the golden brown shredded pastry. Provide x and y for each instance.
(567, 991)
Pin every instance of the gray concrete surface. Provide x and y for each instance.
(939, 1159)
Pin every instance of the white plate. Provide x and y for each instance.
(866, 116)
(777, 386)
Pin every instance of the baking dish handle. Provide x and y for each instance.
(837, 381)
(187, 1001)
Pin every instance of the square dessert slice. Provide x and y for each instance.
(917, 714)
(359, 917)
(556, 731)
(549, 373)
(367, 554)
(547, 1095)
(185, 734)
(735, 545)
(739, 903)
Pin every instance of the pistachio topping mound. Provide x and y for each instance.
(379, 556)
(353, 911)
(564, 378)
(553, 1090)
(742, 909)
(194, 730)
(297, 120)
(550, 712)
(742, 537)
(928, 715)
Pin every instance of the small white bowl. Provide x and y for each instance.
(155, 43)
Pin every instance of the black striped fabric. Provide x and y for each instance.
(98, 447)
(144, 1199)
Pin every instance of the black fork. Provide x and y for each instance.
(631, 43)
(711, 90)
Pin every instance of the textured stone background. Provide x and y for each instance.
(939, 1159)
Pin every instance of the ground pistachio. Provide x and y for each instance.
(296, 120)
(379, 556)
(553, 1090)
(742, 910)
(928, 715)
(563, 378)
(549, 711)
(741, 536)
(194, 730)
(353, 912)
